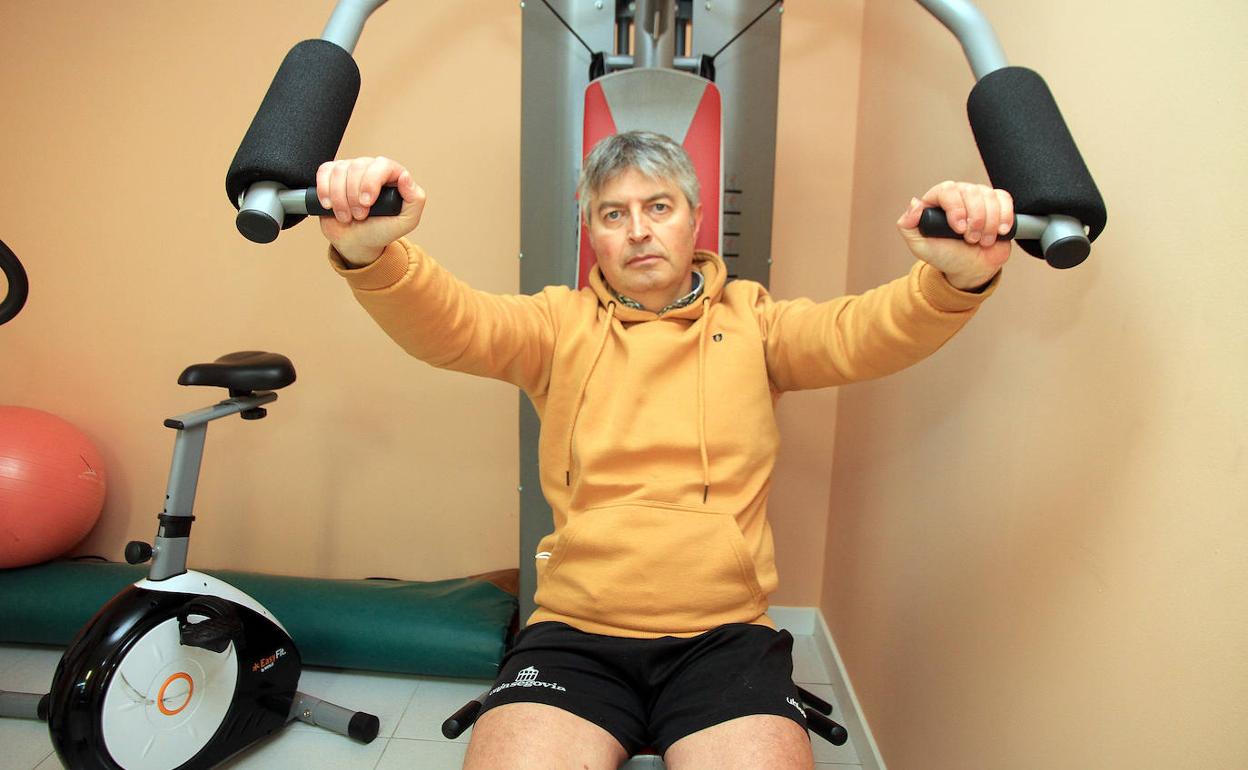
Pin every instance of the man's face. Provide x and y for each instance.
(642, 231)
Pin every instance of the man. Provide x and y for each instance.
(656, 387)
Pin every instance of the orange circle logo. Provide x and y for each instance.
(160, 697)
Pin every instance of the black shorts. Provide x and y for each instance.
(652, 692)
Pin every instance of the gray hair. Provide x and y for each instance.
(654, 155)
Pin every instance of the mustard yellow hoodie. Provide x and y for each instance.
(658, 433)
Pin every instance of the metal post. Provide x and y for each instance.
(973, 31)
(346, 23)
(169, 550)
(655, 42)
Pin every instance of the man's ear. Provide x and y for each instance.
(697, 221)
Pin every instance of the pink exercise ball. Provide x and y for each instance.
(51, 486)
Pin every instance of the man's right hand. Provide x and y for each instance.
(350, 187)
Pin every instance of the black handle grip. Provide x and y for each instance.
(934, 224)
(814, 701)
(825, 728)
(461, 720)
(18, 289)
(388, 204)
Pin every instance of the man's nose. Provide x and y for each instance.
(638, 228)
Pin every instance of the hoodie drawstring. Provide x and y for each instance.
(580, 394)
(706, 464)
(602, 343)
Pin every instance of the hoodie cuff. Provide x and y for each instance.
(396, 261)
(942, 295)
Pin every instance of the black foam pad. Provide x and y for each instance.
(1029, 152)
(301, 121)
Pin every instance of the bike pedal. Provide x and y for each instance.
(214, 634)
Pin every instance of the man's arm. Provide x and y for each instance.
(431, 314)
(810, 345)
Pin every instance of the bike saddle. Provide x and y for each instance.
(242, 372)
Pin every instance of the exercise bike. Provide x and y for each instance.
(182, 670)
(15, 277)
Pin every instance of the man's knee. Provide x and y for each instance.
(524, 736)
(747, 743)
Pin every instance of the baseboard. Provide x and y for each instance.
(808, 621)
(799, 621)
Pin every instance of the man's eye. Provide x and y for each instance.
(612, 216)
(661, 208)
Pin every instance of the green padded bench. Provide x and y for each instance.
(451, 628)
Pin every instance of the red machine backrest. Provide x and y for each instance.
(682, 106)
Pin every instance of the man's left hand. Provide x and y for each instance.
(980, 215)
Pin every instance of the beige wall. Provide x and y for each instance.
(1038, 538)
(820, 54)
(120, 120)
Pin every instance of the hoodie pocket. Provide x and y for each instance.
(651, 567)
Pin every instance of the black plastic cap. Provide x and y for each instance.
(137, 552)
(41, 710)
(363, 727)
(1067, 252)
(257, 226)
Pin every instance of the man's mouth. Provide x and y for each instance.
(642, 259)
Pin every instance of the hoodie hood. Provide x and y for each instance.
(708, 263)
(714, 274)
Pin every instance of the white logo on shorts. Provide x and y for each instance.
(528, 678)
(796, 705)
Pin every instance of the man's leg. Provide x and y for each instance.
(760, 742)
(534, 736)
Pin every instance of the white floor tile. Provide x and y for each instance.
(408, 754)
(287, 750)
(808, 663)
(302, 750)
(53, 762)
(26, 744)
(385, 696)
(435, 700)
(28, 668)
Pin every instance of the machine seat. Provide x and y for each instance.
(242, 372)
